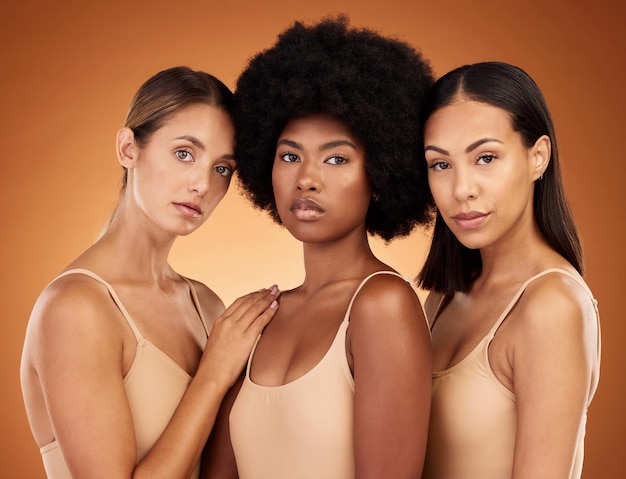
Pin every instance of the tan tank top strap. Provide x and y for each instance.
(196, 304)
(113, 294)
(250, 356)
(442, 300)
(347, 316)
(523, 287)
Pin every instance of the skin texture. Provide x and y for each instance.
(79, 347)
(546, 350)
(387, 344)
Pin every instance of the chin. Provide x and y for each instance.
(311, 234)
(472, 241)
(186, 230)
(305, 236)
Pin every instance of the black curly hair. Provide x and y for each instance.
(374, 85)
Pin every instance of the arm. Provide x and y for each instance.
(553, 364)
(390, 346)
(218, 460)
(76, 347)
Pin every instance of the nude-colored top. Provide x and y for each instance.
(473, 415)
(154, 384)
(302, 429)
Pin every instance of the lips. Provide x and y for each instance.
(306, 209)
(470, 219)
(191, 210)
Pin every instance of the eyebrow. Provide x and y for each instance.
(192, 139)
(470, 148)
(325, 146)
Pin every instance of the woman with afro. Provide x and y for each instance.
(328, 143)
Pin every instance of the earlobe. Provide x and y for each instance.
(126, 147)
(541, 155)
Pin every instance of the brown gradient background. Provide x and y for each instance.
(68, 72)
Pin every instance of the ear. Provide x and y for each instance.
(540, 156)
(126, 148)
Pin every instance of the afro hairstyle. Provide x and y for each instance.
(374, 85)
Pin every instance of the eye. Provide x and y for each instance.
(223, 170)
(184, 155)
(486, 158)
(289, 157)
(337, 160)
(439, 165)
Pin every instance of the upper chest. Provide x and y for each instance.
(171, 322)
(463, 324)
(300, 335)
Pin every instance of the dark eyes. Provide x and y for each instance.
(289, 157)
(331, 160)
(336, 160)
(483, 159)
(486, 159)
(439, 165)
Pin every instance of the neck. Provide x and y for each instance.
(347, 258)
(139, 252)
(515, 259)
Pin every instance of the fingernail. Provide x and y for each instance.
(274, 289)
(274, 304)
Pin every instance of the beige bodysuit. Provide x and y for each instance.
(473, 415)
(302, 429)
(154, 384)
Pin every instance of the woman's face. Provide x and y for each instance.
(480, 173)
(185, 168)
(321, 186)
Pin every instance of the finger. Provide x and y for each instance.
(243, 304)
(258, 324)
(260, 312)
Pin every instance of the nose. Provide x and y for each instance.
(309, 176)
(200, 181)
(465, 185)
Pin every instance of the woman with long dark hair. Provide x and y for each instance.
(515, 329)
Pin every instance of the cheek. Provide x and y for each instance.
(218, 187)
(215, 195)
(357, 182)
(280, 182)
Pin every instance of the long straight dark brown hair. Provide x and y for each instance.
(450, 266)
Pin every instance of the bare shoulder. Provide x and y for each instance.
(388, 333)
(71, 311)
(388, 297)
(384, 287)
(211, 304)
(68, 299)
(557, 302)
(555, 323)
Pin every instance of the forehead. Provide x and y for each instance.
(316, 125)
(206, 122)
(195, 112)
(468, 117)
